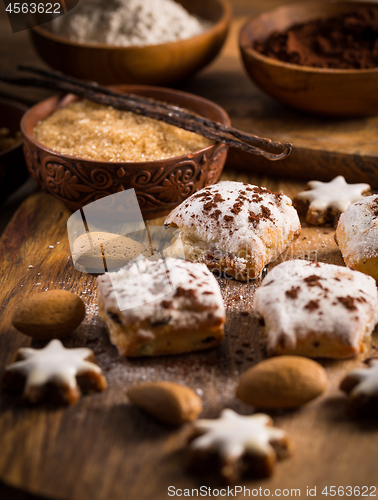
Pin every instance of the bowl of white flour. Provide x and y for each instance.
(155, 42)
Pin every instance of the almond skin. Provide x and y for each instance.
(171, 403)
(49, 315)
(282, 382)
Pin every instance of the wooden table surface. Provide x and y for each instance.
(104, 448)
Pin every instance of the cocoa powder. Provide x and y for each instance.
(346, 41)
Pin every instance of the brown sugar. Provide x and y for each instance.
(345, 41)
(97, 132)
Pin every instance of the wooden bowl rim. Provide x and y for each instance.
(221, 24)
(20, 107)
(142, 164)
(247, 49)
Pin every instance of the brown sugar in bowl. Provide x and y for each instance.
(160, 64)
(160, 185)
(323, 91)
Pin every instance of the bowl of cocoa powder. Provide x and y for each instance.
(319, 57)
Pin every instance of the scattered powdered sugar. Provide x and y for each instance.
(129, 22)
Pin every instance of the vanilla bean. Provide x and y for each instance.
(151, 108)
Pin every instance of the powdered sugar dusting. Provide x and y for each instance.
(357, 231)
(242, 221)
(161, 290)
(298, 298)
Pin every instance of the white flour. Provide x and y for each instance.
(128, 22)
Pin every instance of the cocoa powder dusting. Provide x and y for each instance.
(265, 214)
(313, 280)
(347, 302)
(182, 292)
(293, 292)
(312, 305)
(215, 214)
(345, 41)
(374, 207)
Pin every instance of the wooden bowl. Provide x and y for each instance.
(161, 64)
(160, 185)
(332, 92)
(13, 171)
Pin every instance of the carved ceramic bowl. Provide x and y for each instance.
(160, 185)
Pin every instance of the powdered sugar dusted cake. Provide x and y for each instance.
(235, 227)
(317, 310)
(161, 307)
(357, 236)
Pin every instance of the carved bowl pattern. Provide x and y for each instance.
(160, 185)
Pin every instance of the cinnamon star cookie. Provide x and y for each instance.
(236, 445)
(53, 374)
(316, 310)
(236, 228)
(324, 201)
(362, 387)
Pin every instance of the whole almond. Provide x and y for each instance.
(282, 382)
(168, 402)
(49, 315)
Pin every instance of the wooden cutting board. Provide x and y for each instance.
(105, 448)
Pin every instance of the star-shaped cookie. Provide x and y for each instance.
(235, 445)
(362, 386)
(54, 374)
(324, 201)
